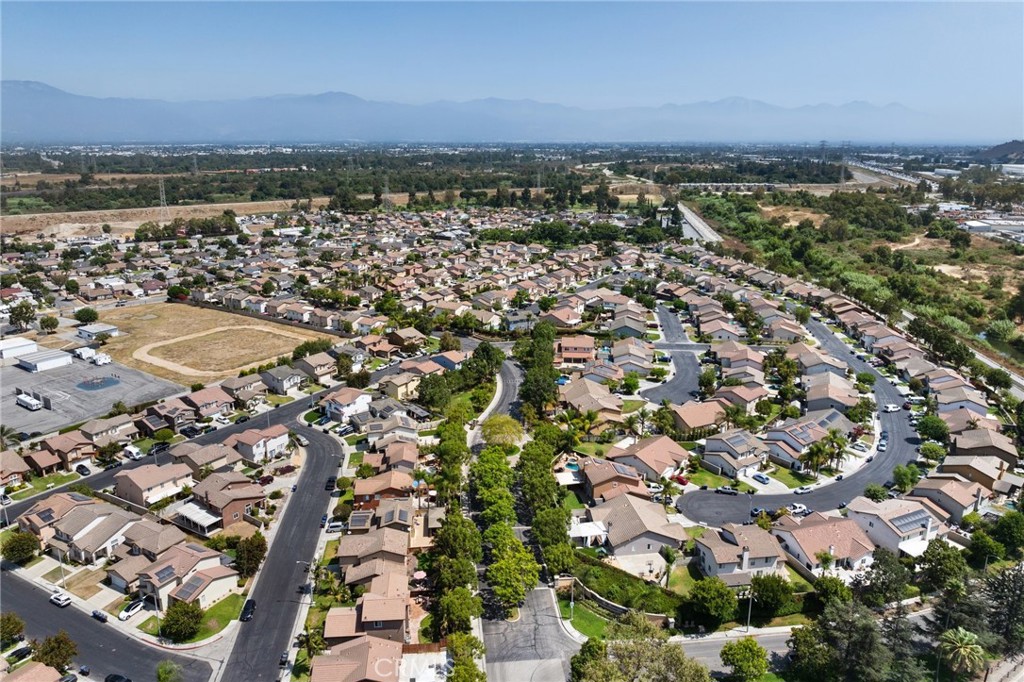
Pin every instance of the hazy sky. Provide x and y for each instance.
(940, 57)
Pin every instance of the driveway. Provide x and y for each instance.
(534, 648)
(708, 507)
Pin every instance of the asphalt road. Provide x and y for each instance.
(103, 648)
(708, 651)
(511, 377)
(261, 641)
(534, 648)
(714, 509)
(687, 377)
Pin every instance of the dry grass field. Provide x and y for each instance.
(184, 344)
(793, 215)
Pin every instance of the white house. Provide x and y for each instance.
(904, 527)
(345, 403)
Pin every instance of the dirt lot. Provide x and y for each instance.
(218, 354)
(793, 215)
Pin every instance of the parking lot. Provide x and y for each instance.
(78, 392)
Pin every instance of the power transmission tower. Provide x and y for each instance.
(195, 165)
(387, 195)
(164, 213)
(822, 150)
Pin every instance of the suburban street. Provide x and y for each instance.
(674, 340)
(511, 377)
(261, 641)
(103, 648)
(713, 509)
(533, 648)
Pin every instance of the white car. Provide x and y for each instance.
(5, 500)
(797, 508)
(301, 440)
(860, 447)
(891, 408)
(60, 599)
(803, 490)
(131, 609)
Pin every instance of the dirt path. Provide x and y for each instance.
(142, 352)
(917, 240)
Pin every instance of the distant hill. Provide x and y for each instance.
(1007, 152)
(38, 113)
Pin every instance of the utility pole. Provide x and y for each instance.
(164, 216)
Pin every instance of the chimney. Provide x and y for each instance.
(977, 499)
(832, 550)
(745, 562)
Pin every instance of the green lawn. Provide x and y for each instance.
(427, 629)
(311, 416)
(799, 583)
(427, 433)
(771, 677)
(705, 477)
(300, 668)
(694, 532)
(572, 501)
(219, 615)
(355, 459)
(683, 578)
(630, 406)
(151, 626)
(593, 449)
(329, 551)
(38, 485)
(790, 478)
(584, 620)
(354, 438)
(274, 399)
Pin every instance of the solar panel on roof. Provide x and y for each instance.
(623, 469)
(46, 515)
(165, 573)
(914, 519)
(403, 515)
(189, 588)
(78, 497)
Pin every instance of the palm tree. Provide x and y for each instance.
(642, 414)
(836, 443)
(734, 414)
(8, 437)
(961, 651)
(631, 422)
(587, 422)
(816, 456)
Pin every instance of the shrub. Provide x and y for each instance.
(276, 494)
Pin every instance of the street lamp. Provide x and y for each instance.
(990, 556)
(749, 594)
(60, 561)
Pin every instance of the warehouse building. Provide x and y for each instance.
(89, 332)
(44, 360)
(16, 346)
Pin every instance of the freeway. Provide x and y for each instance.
(708, 507)
(260, 642)
(103, 648)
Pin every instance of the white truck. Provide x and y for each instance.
(28, 402)
(100, 359)
(84, 353)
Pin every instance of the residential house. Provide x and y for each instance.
(605, 480)
(43, 462)
(829, 391)
(904, 527)
(985, 443)
(345, 403)
(574, 350)
(636, 526)
(210, 401)
(811, 538)
(118, 429)
(90, 532)
(388, 485)
(174, 414)
(737, 553)
(382, 433)
(734, 453)
(404, 386)
(585, 396)
(258, 446)
(12, 468)
(174, 568)
(318, 366)
(364, 659)
(955, 495)
(39, 518)
(451, 360)
(745, 396)
(144, 542)
(215, 457)
(282, 379)
(694, 416)
(228, 496)
(247, 391)
(654, 458)
(961, 398)
(149, 483)
(991, 472)
(389, 544)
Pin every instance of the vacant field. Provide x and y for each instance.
(221, 351)
(182, 343)
(793, 215)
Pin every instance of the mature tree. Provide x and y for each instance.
(86, 315)
(11, 627)
(933, 428)
(984, 548)
(899, 633)
(560, 558)
(458, 537)
(449, 342)
(456, 609)
(49, 323)
(593, 650)
(747, 658)
(961, 651)
(464, 649)
(19, 547)
(512, 574)
(249, 554)
(360, 379)
(168, 671)
(850, 630)
(958, 607)
(886, 580)
(163, 435)
(550, 526)
(182, 621)
(706, 381)
(811, 658)
(875, 492)
(1005, 588)
(941, 563)
(631, 383)
(343, 365)
(933, 452)
(501, 429)
(636, 649)
(906, 477)
(712, 602)
(830, 587)
(56, 651)
(8, 437)
(434, 392)
(22, 314)
(771, 592)
(1009, 530)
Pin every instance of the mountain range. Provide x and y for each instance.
(34, 112)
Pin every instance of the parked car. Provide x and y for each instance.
(159, 448)
(190, 431)
(335, 526)
(890, 407)
(797, 508)
(860, 447)
(756, 511)
(82, 470)
(70, 677)
(761, 478)
(266, 480)
(906, 405)
(655, 487)
(116, 678)
(133, 453)
(724, 490)
(5, 500)
(301, 440)
(60, 599)
(283, 661)
(19, 654)
(99, 615)
(331, 483)
(130, 610)
(323, 521)
(248, 610)
(113, 465)
(883, 446)
(803, 490)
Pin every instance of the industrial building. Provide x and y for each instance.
(43, 360)
(16, 347)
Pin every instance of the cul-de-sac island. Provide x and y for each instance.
(325, 389)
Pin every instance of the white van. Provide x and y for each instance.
(101, 359)
(133, 453)
(335, 526)
(84, 353)
(28, 402)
